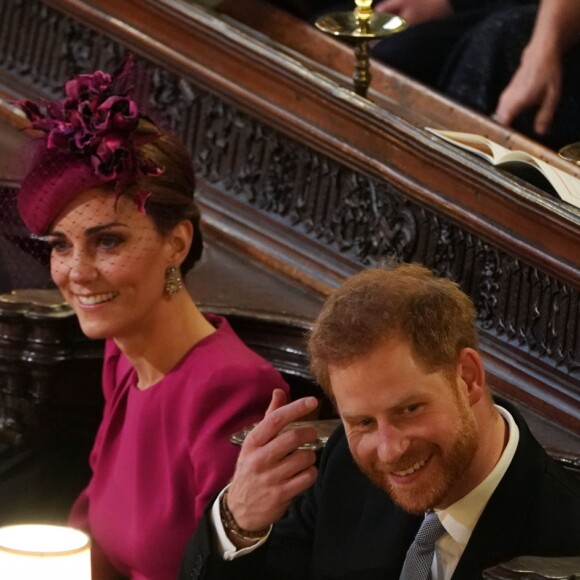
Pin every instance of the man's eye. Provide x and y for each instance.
(412, 408)
(365, 422)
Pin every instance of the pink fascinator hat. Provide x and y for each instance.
(91, 139)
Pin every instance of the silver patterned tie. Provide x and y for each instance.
(419, 556)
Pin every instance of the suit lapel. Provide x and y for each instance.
(497, 534)
(384, 536)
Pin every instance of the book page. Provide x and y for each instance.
(566, 185)
(486, 148)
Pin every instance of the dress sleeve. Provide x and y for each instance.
(79, 513)
(237, 396)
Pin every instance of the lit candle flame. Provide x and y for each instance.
(363, 9)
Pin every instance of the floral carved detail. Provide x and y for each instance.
(372, 221)
(172, 97)
(360, 217)
(489, 285)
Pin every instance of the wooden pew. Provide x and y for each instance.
(301, 176)
(298, 172)
(304, 183)
(50, 395)
(533, 568)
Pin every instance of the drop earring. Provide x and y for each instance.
(173, 281)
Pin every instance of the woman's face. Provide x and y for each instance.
(109, 262)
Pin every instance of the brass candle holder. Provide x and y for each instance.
(360, 27)
(571, 153)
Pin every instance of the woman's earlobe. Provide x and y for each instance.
(181, 239)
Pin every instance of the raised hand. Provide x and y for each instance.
(271, 469)
(536, 83)
(538, 80)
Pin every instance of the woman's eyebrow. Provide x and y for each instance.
(100, 228)
(89, 231)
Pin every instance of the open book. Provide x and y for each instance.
(522, 164)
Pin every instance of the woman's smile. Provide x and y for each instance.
(93, 299)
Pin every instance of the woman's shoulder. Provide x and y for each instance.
(117, 370)
(226, 345)
(224, 358)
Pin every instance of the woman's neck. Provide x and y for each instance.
(160, 344)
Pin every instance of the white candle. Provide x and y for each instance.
(35, 551)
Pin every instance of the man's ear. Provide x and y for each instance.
(179, 241)
(471, 373)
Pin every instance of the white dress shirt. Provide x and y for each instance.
(224, 545)
(459, 519)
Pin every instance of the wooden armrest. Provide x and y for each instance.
(570, 461)
(534, 567)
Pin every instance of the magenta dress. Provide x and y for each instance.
(160, 454)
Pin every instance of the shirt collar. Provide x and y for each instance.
(460, 518)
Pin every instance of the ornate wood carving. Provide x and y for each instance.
(268, 183)
(50, 405)
(45, 361)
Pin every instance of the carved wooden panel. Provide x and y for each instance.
(276, 186)
(48, 367)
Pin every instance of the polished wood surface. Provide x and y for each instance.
(297, 173)
(278, 89)
(392, 91)
(534, 568)
(12, 142)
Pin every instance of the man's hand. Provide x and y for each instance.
(271, 470)
(536, 83)
(538, 80)
(416, 11)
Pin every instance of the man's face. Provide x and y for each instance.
(411, 432)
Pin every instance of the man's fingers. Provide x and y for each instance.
(294, 464)
(392, 6)
(286, 443)
(301, 475)
(508, 108)
(546, 111)
(278, 418)
(278, 400)
(261, 493)
(253, 511)
(271, 468)
(282, 471)
(295, 485)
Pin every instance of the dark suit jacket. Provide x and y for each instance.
(344, 527)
